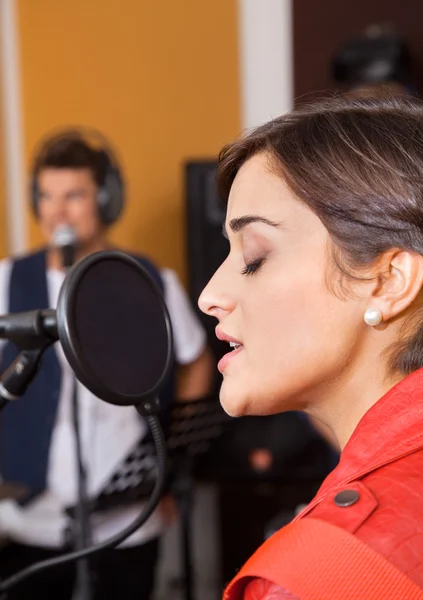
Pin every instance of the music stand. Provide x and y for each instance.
(192, 428)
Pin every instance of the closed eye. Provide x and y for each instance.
(252, 267)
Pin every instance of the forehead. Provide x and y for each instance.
(259, 189)
(64, 179)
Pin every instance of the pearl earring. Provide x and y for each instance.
(373, 316)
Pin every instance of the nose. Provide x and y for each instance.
(54, 208)
(217, 300)
(60, 209)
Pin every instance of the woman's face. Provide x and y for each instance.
(296, 337)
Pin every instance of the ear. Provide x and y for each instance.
(399, 284)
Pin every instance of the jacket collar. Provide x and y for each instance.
(390, 429)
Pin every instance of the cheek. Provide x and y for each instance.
(86, 216)
(290, 347)
(45, 213)
(299, 325)
(46, 222)
(289, 303)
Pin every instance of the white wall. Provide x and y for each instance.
(266, 62)
(14, 170)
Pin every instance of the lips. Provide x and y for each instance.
(224, 337)
(235, 344)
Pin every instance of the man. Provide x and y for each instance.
(79, 185)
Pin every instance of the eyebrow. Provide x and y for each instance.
(240, 223)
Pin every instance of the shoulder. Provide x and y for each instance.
(170, 278)
(26, 264)
(175, 294)
(189, 334)
(6, 265)
(394, 527)
(27, 256)
(23, 265)
(149, 265)
(396, 487)
(143, 260)
(384, 510)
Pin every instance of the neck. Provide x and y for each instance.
(346, 400)
(54, 256)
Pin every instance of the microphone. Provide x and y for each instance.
(65, 240)
(29, 330)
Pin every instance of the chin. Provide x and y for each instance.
(234, 401)
(247, 400)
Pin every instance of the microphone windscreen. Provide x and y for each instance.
(64, 239)
(64, 235)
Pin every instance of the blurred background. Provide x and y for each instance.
(169, 83)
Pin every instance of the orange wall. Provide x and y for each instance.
(159, 78)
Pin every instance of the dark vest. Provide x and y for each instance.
(26, 425)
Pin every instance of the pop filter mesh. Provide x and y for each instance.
(121, 327)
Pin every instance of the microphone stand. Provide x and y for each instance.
(81, 522)
(82, 529)
(13, 384)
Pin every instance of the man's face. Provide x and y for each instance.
(69, 197)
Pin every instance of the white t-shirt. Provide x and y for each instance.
(108, 435)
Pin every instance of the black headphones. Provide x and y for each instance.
(110, 196)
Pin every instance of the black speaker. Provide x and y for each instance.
(207, 248)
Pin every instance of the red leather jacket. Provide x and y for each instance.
(375, 492)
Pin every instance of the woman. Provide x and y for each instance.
(321, 300)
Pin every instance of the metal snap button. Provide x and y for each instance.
(346, 498)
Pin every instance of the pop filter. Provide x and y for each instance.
(114, 327)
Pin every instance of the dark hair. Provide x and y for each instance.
(358, 165)
(70, 151)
